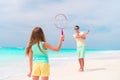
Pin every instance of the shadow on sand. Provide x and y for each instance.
(95, 69)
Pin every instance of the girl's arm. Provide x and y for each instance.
(55, 48)
(30, 62)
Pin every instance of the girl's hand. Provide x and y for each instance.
(62, 37)
(29, 74)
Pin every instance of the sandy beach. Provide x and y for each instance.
(96, 68)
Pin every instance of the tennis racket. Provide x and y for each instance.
(61, 22)
(90, 27)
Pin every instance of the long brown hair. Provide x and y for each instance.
(36, 36)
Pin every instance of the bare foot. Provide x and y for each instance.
(81, 70)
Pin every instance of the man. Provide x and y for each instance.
(80, 40)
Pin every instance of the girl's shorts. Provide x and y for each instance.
(81, 51)
(40, 69)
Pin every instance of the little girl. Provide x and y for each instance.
(38, 56)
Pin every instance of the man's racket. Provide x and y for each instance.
(61, 22)
(90, 27)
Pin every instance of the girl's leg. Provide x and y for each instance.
(44, 78)
(35, 77)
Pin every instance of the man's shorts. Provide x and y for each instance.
(81, 51)
(40, 69)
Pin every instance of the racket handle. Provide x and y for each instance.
(62, 33)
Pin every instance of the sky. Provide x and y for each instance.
(19, 17)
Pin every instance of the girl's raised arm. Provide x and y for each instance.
(55, 48)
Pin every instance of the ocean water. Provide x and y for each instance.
(10, 54)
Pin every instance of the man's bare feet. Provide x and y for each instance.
(81, 70)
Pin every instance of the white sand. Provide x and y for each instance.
(95, 69)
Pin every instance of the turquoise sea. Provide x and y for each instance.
(9, 54)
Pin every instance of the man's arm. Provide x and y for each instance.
(87, 32)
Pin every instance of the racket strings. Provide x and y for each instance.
(61, 21)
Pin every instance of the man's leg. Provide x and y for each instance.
(81, 63)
